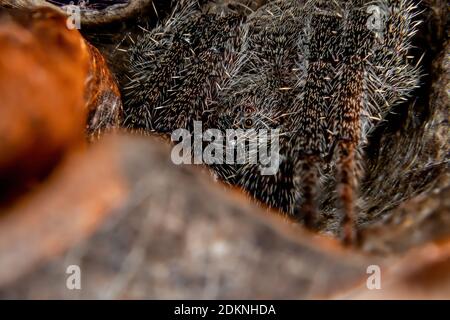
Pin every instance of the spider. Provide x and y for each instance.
(316, 70)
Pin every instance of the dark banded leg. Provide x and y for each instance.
(346, 116)
(312, 111)
(309, 171)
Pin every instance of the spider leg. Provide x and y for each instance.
(347, 184)
(346, 115)
(348, 105)
(155, 61)
(309, 171)
(312, 108)
(311, 142)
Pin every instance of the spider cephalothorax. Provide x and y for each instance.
(323, 73)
